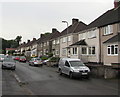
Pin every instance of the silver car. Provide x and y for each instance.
(8, 63)
(73, 68)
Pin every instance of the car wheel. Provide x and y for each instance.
(71, 75)
(60, 71)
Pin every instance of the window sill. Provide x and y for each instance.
(92, 37)
(108, 34)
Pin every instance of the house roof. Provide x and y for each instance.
(49, 37)
(10, 49)
(76, 27)
(115, 38)
(110, 17)
(81, 42)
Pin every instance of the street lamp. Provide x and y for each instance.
(67, 35)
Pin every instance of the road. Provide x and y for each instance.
(46, 81)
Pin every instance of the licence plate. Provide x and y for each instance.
(84, 73)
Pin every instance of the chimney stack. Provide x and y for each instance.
(54, 30)
(75, 21)
(41, 35)
(116, 3)
(34, 39)
(28, 41)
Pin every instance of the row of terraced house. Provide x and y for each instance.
(97, 42)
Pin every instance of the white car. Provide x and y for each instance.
(35, 62)
(73, 68)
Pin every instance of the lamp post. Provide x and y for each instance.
(67, 35)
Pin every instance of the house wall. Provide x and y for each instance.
(105, 38)
(91, 42)
(108, 59)
(56, 47)
(64, 45)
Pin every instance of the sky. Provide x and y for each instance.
(30, 18)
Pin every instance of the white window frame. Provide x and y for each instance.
(90, 50)
(86, 51)
(57, 52)
(64, 51)
(64, 39)
(57, 41)
(110, 48)
(108, 29)
(53, 41)
(69, 38)
(92, 34)
(74, 50)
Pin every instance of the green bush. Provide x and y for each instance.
(54, 59)
(44, 57)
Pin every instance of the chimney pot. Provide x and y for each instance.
(34, 39)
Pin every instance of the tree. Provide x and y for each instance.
(18, 39)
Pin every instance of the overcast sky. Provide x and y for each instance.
(29, 19)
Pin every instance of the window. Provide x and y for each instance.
(112, 50)
(47, 42)
(64, 39)
(53, 41)
(74, 50)
(69, 38)
(92, 50)
(84, 50)
(64, 51)
(44, 44)
(82, 36)
(67, 64)
(57, 52)
(108, 29)
(57, 41)
(91, 34)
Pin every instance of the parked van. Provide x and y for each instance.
(73, 68)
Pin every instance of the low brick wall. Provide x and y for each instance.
(102, 71)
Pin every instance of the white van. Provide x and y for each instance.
(73, 68)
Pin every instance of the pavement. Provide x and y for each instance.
(0, 82)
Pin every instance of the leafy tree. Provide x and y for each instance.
(18, 39)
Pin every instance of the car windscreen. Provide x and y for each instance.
(22, 57)
(76, 63)
(8, 60)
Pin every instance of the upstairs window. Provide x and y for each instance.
(108, 29)
(82, 36)
(53, 41)
(92, 34)
(69, 38)
(64, 39)
(57, 41)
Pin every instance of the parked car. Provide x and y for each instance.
(73, 68)
(44, 62)
(2, 56)
(22, 59)
(35, 62)
(8, 63)
(17, 58)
